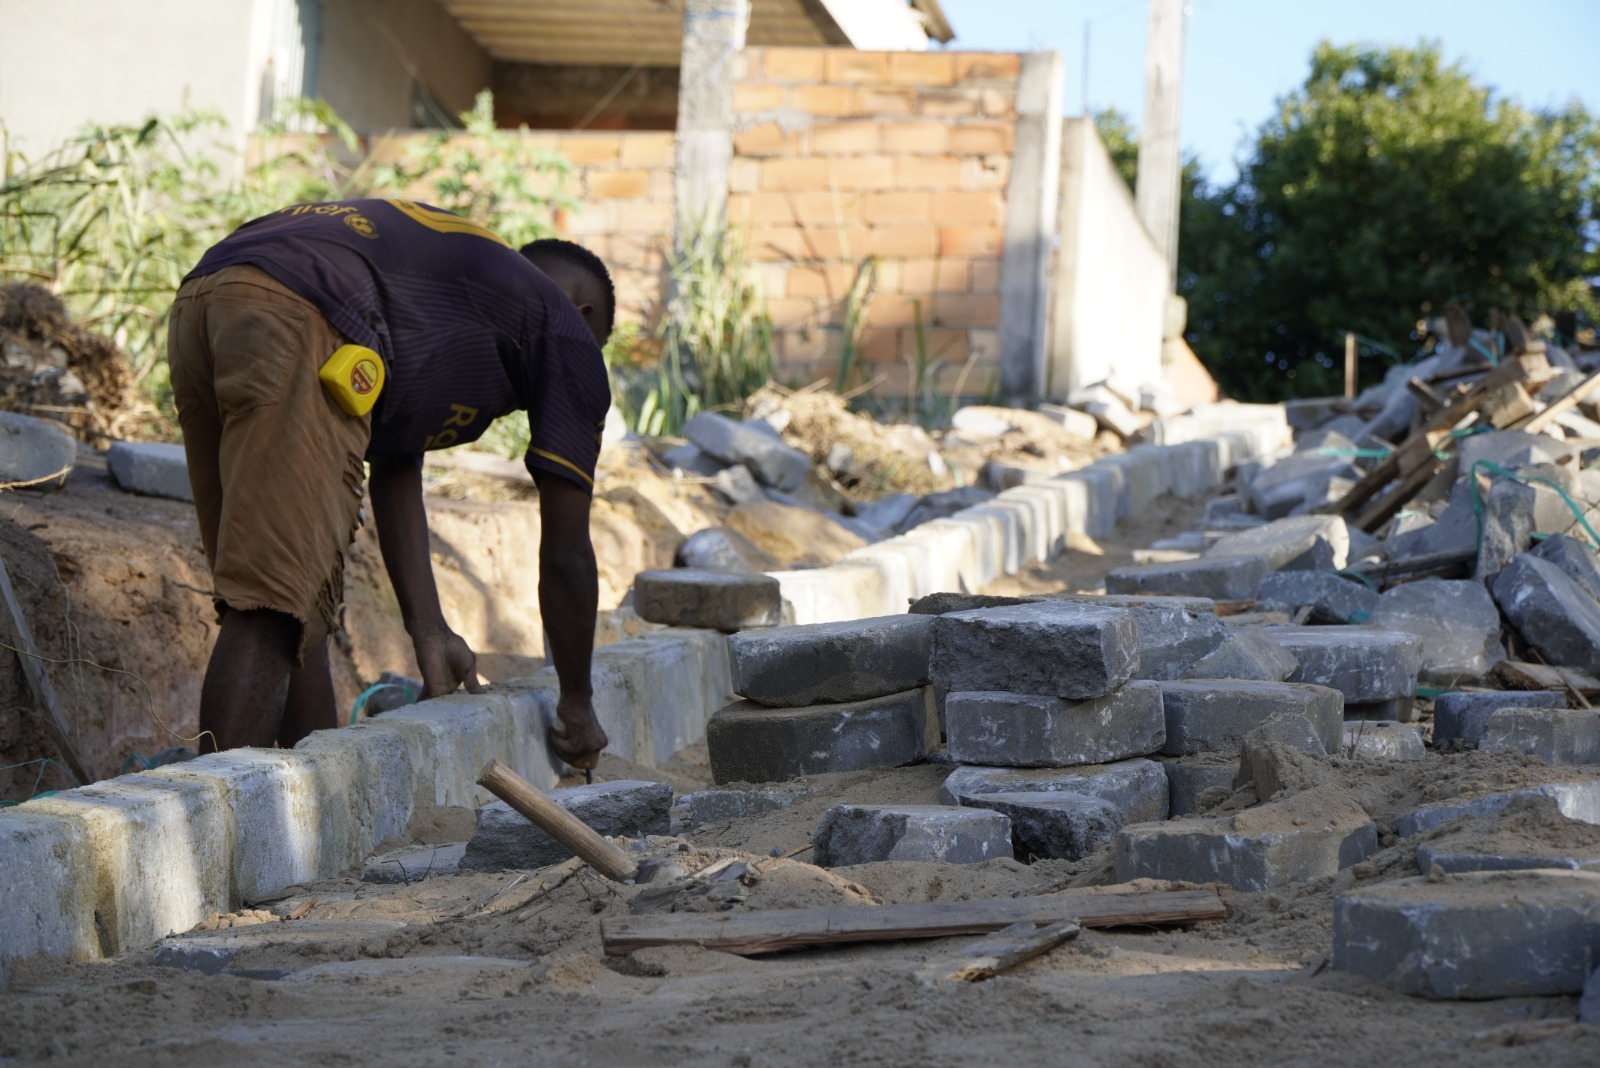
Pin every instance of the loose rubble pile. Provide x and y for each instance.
(1387, 583)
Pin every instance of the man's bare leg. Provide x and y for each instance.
(310, 705)
(247, 680)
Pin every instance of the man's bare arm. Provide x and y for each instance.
(444, 658)
(569, 594)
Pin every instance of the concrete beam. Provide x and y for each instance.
(1031, 207)
(713, 36)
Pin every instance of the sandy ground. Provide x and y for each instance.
(508, 969)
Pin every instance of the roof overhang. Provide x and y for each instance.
(649, 33)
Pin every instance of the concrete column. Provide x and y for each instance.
(713, 36)
(1160, 165)
(1031, 200)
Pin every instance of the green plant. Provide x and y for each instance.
(856, 301)
(716, 336)
(924, 403)
(497, 178)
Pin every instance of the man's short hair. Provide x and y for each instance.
(548, 249)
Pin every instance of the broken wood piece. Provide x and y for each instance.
(1528, 369)
(1507, 405)
(1521, 675)
(1425, 394)
(1537, 424)
(995, 953)
(303, 910)
(44, 693)
(558, 823)
(771, 930)
(1385, 508)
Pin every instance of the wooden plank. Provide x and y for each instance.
(995, 953)
(1536, 424)
(769, 931)
(44, 693)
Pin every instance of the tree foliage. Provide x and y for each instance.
(1386, 186)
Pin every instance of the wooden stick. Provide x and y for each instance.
(558, 823)
(996, 953)
(44, 694)
(768, 931)
(1445, 562)
(1524, 676)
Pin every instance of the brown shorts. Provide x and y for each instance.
(275, 464)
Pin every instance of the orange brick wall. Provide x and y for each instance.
(842, 155)
(622, 182)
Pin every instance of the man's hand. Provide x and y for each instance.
(576, 737)
(446, 662)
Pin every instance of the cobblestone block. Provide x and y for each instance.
(867, 834)
(1054, 648)
(751, 743)
(1214, 715)
(1476, 935)
(832, 662)
(1027, 730)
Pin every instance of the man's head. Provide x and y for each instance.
(582, 277)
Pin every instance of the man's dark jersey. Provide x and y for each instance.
(468, 328)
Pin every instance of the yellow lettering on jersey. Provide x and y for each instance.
(443, 222)
(461, 415)
(442, 440)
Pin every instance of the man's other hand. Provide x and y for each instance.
(446, 662)
(577, 737)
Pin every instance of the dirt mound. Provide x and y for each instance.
(23, 739)
(58, 369)
(883, 457)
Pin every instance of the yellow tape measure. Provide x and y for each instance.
(354, 376)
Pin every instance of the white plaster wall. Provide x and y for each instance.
(879, 25)
(373, 51)
(1110, 286)
(64, 63)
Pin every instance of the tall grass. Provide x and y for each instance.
(114, 218)
(716, 336)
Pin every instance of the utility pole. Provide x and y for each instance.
(1160, 179)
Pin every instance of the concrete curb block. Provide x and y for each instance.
(1031, 522)
(112, 867)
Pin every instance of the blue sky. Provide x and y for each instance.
(1243, 54)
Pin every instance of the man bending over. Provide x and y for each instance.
(328, 336)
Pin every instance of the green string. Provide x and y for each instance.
(1358, 454)
(1442, 453)
(1496, 471)
(1358, 576)
(44, 764)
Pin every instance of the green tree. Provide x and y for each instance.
(1386, 186)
